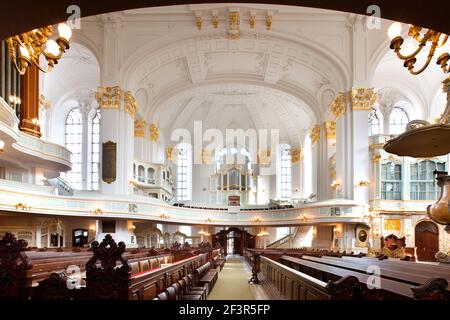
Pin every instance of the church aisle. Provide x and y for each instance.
(233, 282)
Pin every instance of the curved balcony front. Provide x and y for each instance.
(139, 208)
(21, 147)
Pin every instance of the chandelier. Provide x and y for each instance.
(27, 48)
(422, 139)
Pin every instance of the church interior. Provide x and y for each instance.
(224, 151)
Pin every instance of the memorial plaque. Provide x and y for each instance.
(109, 161)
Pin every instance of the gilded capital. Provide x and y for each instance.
(139, 128)
(170, 154)
(330, 129)
(108, 97)
(339, 106)
(154, 132)
(264, 157)
(296, 155)
(130, 104)
(363, 98)
(206, 156)
(376, 158)
(315, 134)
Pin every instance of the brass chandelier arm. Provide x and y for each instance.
(397, 46)
(27, 48)
(410, 63)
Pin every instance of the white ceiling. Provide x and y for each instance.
(283, 78)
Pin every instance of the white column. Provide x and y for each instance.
(352, 154)
(117, 126)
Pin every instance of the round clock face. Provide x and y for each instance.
(362, 235)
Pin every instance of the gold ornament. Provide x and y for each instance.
(339, 106)
(330, 129)
(315, 134)
(130, 104)
(108, 97)
(139, 128)
(296, 155)
(154, 132)
(363, 99)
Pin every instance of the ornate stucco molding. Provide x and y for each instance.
(264, 157)
(339, 106)
(154, 132)
(171, 154)
(206, 156)
(108, 97)
(315, 134)
(296, 155)
(139, 128)
(130, 104)
(363, 98)
(330, 129)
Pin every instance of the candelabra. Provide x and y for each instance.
(421, 138)
(27, 48)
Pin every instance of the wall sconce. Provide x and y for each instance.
(23, 206)
(256, 220)
(336, 185)
(303, 217)
(92, 228)
(262, 234)
(14, 100)
(132, 228)
(2, 146)
(364, 183)
(97, 211)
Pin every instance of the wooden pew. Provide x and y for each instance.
(295, 285)
(395, 283)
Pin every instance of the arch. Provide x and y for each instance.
(398, 120)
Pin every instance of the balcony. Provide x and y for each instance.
(21, 147)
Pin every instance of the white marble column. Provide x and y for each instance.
(352, 145)
(118, 110)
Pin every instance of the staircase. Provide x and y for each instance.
(64, 189)
(285, 242)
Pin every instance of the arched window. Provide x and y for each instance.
(183, 173)
(95, 151)
(74, 142)
(374, 123)
(391, 181)
(285, 173)
(150, 176)
(141, 174)
(398, 121)
(423, 186)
